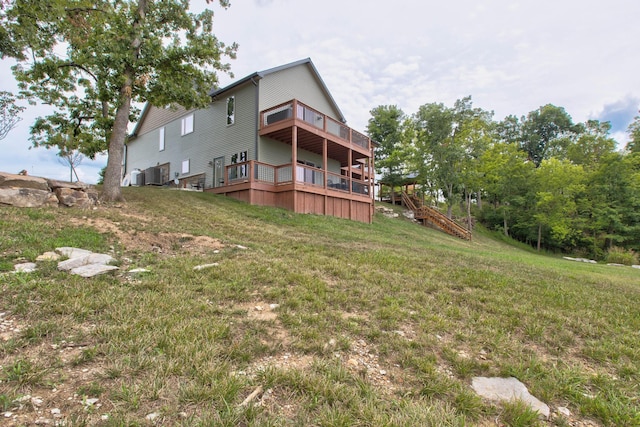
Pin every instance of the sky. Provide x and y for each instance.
(511, 57)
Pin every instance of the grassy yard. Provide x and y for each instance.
(330, 322)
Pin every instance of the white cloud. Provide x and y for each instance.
(510, 56)
(399, 69)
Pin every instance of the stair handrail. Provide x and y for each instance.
(442, 219)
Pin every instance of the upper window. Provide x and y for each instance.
(231, 110)
(187, 124)
(161, 140)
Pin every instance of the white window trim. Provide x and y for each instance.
(187, 125)
(185, 166)
(161, 139)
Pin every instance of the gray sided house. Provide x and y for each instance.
(273, 138)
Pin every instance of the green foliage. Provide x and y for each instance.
(617, 255)
(101, 176)
(541, 179)
(546, 132)
(387, 127)
(9, 113)
(560, 183)
(517, 413)
(446, 145)
(634, 133)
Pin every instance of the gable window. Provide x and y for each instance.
(231, 110)
(161, 140)
(187, 124)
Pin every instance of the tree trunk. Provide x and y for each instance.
(505, 226)
(450, 202)
(479, 195)
(469, 227)
(111, 191)
(539, 236)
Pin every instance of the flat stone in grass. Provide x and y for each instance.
(91, 270)
(26, 267)
(506, 389)
(205, 266)
(589, 261)
(70, 264)
(85, 263)
(73, 252)
(48, 256)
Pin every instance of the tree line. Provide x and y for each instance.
(541, 178)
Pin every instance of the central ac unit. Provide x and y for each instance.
(152, 176)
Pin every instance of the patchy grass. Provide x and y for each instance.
(339, 323)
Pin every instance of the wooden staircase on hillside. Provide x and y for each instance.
(434, 217)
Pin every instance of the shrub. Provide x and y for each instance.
(617, 255)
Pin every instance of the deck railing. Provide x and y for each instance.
(297, 110)
(309, 175)
(254, 171)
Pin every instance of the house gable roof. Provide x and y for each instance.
(213, 93)
(261, 74)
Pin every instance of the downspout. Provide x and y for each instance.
(125, 148)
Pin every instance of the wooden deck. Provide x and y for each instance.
(344, 192)
(262, 184)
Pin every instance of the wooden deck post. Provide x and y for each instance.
(325, 171)
(294, 164)
(350, 180)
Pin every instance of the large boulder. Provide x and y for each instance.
(27, 197)
(54, 183)
(23, 181)
(70, 197)
(25, 191)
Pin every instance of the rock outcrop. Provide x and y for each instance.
(32, 192)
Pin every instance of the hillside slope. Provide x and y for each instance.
(328, 321)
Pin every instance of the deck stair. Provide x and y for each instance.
(434, 217)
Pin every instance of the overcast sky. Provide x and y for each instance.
(511, 56)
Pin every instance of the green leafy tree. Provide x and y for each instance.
(445, 140)
(386, 127)
(592, 144)
(507, 178)
(612, 215)
(91, 60)
(9, 113)
(509, 130)
(560, 183)
(434, 156)
(634, 133)
(546, 132)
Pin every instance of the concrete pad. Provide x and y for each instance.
(505, 389)
(92, 270)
